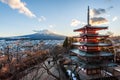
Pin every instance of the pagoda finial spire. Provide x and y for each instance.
(88, 16)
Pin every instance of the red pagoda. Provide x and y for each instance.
(92, 60)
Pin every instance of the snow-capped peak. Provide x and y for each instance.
(43, 32)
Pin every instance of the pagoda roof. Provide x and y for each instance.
(91, 35)
(85, 65)
(89, 66)
(90, 54)
(91, 27)
(91, 44)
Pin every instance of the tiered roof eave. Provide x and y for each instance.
(88, 54)
(91, 27)
(91, 45)
(85, 65)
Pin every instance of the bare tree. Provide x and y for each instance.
(49, 66)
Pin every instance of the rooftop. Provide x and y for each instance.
(91, 27)
(93, 54)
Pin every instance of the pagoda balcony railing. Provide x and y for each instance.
(87, 42)
(93, 35)
(90, 50)
(99, 60)
(89, 34)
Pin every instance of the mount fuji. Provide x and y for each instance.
(39, 35)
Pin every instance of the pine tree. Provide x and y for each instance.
(66, 43)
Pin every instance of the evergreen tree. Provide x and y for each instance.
(66, 43)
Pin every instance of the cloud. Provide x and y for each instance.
(83, 23)
(75, 22)
(115, 18)
(98, 21)
(42, 18)
(99, 11)
(52, 25)
(20, 6)
(96, 12)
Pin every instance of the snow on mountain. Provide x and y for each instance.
(44, 32)
(45, 35)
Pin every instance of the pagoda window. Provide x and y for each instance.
(86, 40)
(83, 31)
(82, 39)
(86, 32)
(99, 48)
(94, 71)
(98, 70)
(88, 72)
(85, 47)
(81, 47)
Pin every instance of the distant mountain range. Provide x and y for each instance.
(39, 35)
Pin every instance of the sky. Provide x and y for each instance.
(20, 17)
